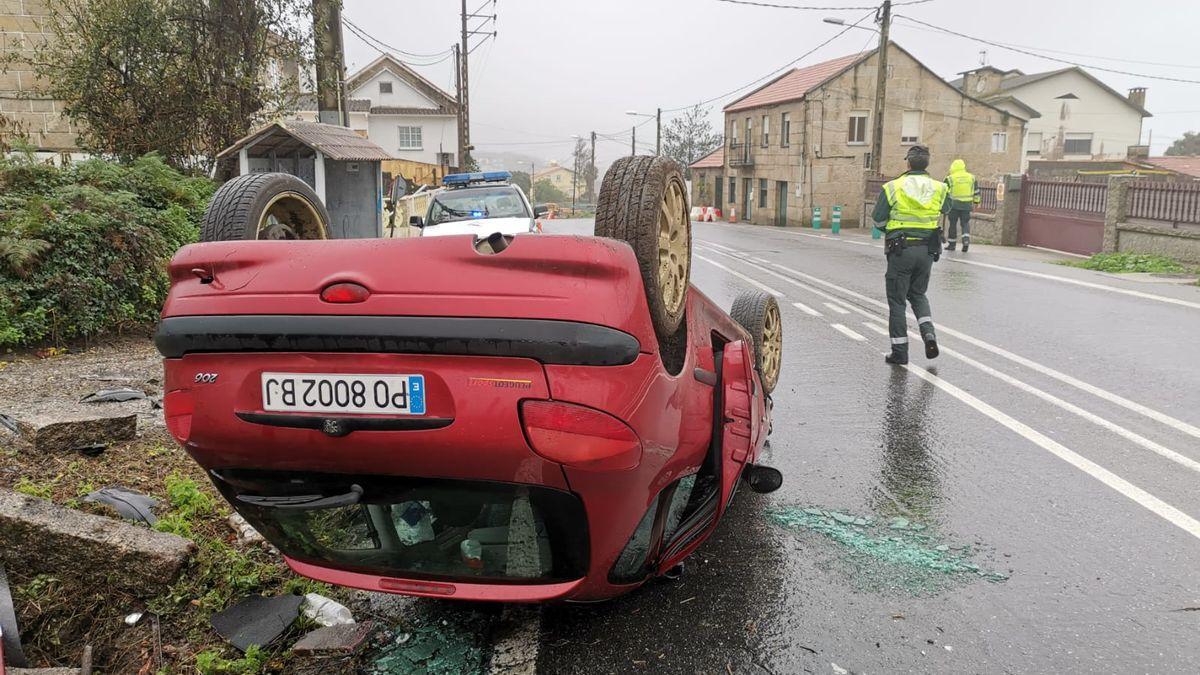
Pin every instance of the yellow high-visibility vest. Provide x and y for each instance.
(916, 201)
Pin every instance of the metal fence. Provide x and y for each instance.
(1063, 196)
(1171, 202)
(987, 192)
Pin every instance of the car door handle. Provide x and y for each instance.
(305, 502)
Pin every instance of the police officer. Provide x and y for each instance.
(910, 206)
(964, 193)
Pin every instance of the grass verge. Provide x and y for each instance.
(1128, 263)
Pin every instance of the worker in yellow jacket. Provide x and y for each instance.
(964, 195)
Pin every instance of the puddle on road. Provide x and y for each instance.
(887, 555)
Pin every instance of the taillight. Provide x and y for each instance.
(178, 407)
(345, 292)
(580, 437)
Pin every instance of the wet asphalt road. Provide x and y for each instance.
(1043, 485)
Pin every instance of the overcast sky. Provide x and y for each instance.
(563, 67)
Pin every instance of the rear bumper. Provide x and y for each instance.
(438, 589)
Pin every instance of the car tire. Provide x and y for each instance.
(643, 202)
(265, 206)
(758, 313)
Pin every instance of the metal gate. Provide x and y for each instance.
(1063, 216)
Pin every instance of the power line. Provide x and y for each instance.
(1027, 52)
(370, 42)
(778, 70)
(822, 9)
(391, 48)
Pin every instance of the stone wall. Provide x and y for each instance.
(1180, 244)
(23, 28)
(822, 167)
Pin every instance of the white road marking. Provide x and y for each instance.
(847, 332)
(741, 276)
(1145, 499)
(836, 308)
(1163, 418)
(720, 246)
(1115, 428)
(761, 261)
(806, 309)
(1086, 284)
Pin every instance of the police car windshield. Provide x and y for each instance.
(476, 203)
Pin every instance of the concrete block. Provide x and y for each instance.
(72, 429)
(43, 538)
(340, 639)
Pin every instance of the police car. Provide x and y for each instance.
(481, 204)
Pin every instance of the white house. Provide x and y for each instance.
(402, 112)
(1074, 115)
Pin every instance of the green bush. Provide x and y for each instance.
(84, 248)
(1125, 263)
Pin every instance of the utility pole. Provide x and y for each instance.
(458, 90)
(592, 172)
(464, 89)
(658, 132)
(330, 63)
(885, 21)
(633, 141)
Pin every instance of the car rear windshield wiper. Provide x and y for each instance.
(305, 502)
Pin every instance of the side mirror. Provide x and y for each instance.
(762, 479)
(540, 211)
(416, 221)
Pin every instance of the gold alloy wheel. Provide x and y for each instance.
(772, 347)
(290, 216)
(673, 247)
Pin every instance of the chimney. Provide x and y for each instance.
(982, 82)
(1137, 96)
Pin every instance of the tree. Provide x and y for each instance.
(1188, 144)
(521, 180)
(689, 137)
(547, 192)
(185, 78)
(585, 176)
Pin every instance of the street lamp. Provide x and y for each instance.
(834, 21)
(657, 131)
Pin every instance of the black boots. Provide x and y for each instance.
(931, 348)
(896, 359)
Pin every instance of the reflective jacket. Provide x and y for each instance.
(964, 190)
(915, 202)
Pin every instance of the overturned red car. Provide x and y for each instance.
(523, 418)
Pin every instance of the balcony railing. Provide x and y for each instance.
(740, 154)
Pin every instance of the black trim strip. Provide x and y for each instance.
(340, 425)
(552, 342)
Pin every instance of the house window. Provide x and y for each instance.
(1000, 141)
(733, 133)
(410, 138)
(762, 193)
(385, 87)
(785, 130)
(856, 133)
(1077, 144)
(749, 133)
(910, 127)
(766, 131)
(732, 189)
(1033, 143)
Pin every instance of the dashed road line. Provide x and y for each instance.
(806, 309)
(741, 276)
(836, 308)
(847, 332)
(1078, 282)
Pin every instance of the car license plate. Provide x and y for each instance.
(361, 394)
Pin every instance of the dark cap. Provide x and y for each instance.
(917, 151)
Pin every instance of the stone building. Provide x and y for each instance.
(804, 138)
(24, 26)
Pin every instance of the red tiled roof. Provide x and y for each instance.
(794, 84)
(713, 160)
(1189, 165)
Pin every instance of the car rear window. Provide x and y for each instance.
(476, 203)
(446, 530)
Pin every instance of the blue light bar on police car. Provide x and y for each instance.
(464, 179)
